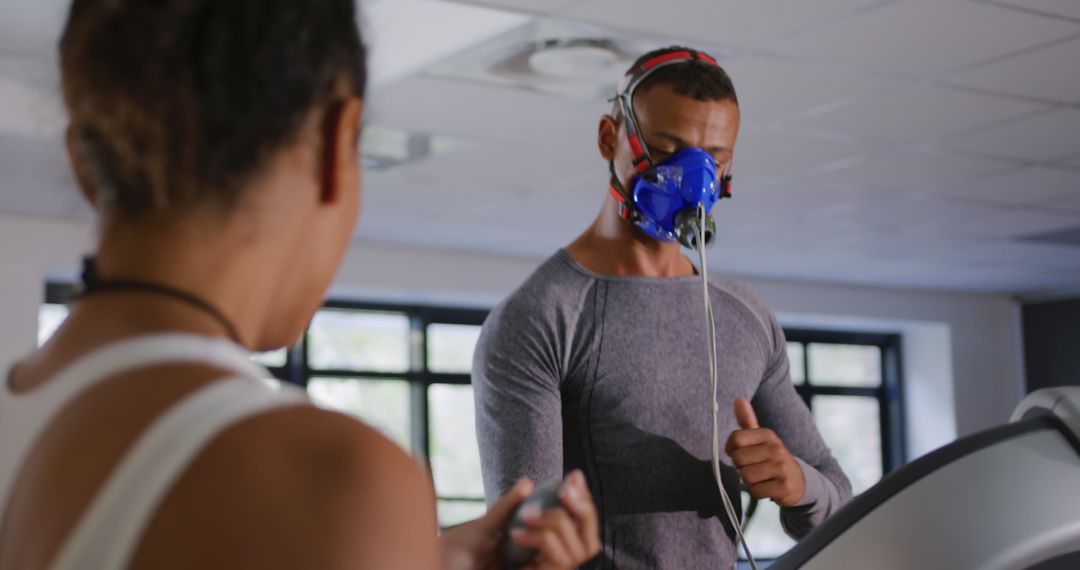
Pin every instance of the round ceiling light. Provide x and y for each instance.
(574, 58)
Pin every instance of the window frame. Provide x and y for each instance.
(420, 378)
(889, 395)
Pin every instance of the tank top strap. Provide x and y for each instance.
(142, 352)
(108, 534)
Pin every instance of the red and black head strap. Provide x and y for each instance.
(643, 162)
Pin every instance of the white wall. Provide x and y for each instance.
(962, 364)
(31, 250)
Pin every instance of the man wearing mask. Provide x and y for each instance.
(598, 361)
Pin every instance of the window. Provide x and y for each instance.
(405, 371)
(851, 383)
(49, 318)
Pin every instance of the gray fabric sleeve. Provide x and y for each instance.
(516, 378)
(780, 408)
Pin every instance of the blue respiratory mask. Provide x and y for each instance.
(664, 198)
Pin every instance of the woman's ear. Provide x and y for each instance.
(77, 157)
(606, 137)
(341, 157)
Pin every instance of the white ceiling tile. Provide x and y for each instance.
(481, 111)
(782, 153)
(551, 7)
(1037, 73)
(764, 258)
(1067, 8)
(772, 88)
(1068, 203)
(916, 113)
(1043, 137)
(797, 200)
(907, 169)
(403, 210)
(510, 237)
(724, 22)
(1029, 185)
(493, 170)
(900, 270)
(919, 37)
(921, 213)
(908, 242)
(400, 43)
(909, 210)
(1019, 251)
(1010, 223)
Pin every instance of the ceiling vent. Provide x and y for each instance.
(553, 56)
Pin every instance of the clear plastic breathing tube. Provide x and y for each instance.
(700, 227)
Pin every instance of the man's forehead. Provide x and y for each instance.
(681, 121)
(666, 94)
(662, 104)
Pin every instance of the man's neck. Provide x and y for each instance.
(610, 246)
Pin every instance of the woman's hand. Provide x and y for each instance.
(564, 538)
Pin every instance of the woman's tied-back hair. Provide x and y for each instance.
(175, 104)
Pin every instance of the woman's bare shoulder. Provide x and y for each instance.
(298, 487)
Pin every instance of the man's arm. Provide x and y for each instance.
(784, 458)
(516, 377)
(779, 407)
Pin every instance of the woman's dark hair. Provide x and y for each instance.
(177, 103)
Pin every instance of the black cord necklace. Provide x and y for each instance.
(93, 283)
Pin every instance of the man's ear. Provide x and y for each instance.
(606, 137)
(341, 137)
(77, 157)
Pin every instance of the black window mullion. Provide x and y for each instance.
(418, 388)
(296, 363)
(462, 499)
(832, 390)
(808, 393)
(892, 403)
(411, 377)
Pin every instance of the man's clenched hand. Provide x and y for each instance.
(763, 461)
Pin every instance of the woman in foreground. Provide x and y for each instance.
(217, 141)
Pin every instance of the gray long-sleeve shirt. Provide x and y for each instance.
(610, 375)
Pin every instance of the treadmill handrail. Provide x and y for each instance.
(907, 475)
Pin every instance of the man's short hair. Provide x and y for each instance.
(695, 79)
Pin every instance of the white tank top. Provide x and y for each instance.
(109, 531)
